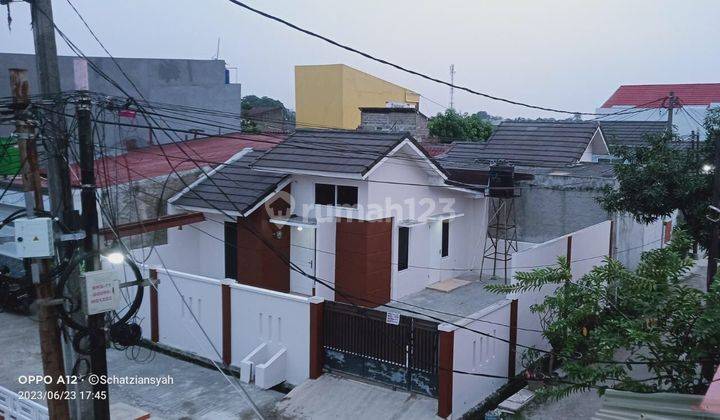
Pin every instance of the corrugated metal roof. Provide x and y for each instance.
(349, 152)
(528, 143)
(154, 161)
(623, 405)
(234, 187)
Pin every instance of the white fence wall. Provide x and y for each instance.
(589, 247)
(177, 327)
(278, 319)
(476, 353)
(12, 407)
(257, 315)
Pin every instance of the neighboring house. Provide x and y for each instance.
(135, 186)
(646, 104)
(539, 144)
(269, 119)
(369, 213)
(636, 133)
(559, 180)
(395, 119)
(329, 96)
(181, 82)
(631, 133)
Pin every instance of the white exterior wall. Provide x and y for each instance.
(378, 199)
(477, 353)
(467, 233)
(682, 122)
(197, 248)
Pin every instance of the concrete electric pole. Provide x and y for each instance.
(61, 201)
(50, 345)
(96, 322)
(671, 105)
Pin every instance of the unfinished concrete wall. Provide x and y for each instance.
(144, 199)
(552, 206)
(197, 83)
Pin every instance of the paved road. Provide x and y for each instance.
(196, 392)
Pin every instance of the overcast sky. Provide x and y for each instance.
(562, 54)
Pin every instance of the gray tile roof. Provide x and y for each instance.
(630, 133)
(354, 152)
(242, 187)
(527, 143)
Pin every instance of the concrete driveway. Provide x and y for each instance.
(335, 397)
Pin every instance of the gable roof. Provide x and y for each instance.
(242, 187)
(335, 152)
(631, 133)
(531, 143)
(689, 94)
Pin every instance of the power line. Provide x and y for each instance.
(402, 68)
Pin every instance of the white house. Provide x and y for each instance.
(370, 214)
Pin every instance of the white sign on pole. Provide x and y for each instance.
(101, 291)
(392, 318)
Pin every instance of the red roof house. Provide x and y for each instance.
(159, 160)
(651, 96)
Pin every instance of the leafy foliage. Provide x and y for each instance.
(613, 321)
(656, 180)
(452, 125)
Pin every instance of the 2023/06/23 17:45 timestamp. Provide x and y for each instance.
(62, 395)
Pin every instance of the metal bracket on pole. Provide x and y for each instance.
(73, 236)
(144, 282)
(50, 302)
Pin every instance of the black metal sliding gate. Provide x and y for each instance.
(359, 341)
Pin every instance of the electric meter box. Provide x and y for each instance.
(34, 238)
(101, 291)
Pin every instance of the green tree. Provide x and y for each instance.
(451, 125)
(613, 320)
(656, 180)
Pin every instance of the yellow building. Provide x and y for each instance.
(329, 96)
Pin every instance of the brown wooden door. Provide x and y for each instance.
(363, 257)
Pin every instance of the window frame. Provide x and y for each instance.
(445, 239)
(403, 263)
(231, 251)
(336, 195)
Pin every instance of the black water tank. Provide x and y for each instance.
(501, 180)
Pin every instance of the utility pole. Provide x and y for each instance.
(96, 323)
(50, 345)
(671, 104)
(56, 148)
(452, 88)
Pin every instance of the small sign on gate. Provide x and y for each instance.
(392, 318)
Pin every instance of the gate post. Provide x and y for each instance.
(446, 341)
(154, 317)
(316, 336)
(226, 299)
